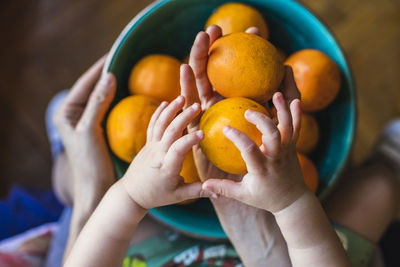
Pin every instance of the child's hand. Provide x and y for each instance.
(274, 179)
(153, 178)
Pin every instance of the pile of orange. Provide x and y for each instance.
(247, 70)
(241, 66)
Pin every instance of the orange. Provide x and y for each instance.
(189, 173)
(215, 146)
(309, 171)
(127, 125)
(237, 17)
(308, 135)
(317, 76)
(245, 65)
(156, 76)
(189, 170)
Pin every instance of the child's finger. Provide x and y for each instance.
(198, 62)
(98, 102)
(189, 91)
(154, 118)
(225, 188)
(176, 153)
(289, 88)
(285, 125)
(175, 129)
(271, 137)
(250, 152)
(214, 31)
(296, 115)
(166, 116)
(253, 30)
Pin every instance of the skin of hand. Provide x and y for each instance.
(151, 180)
(153, 177)
(274, 181)
(246, 226)
(78, 121)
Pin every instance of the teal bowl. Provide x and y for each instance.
(170, 26)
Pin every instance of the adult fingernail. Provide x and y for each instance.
(107, 78)
(209, 193)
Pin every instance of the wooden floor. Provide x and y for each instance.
(46, 44)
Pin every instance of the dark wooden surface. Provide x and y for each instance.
(46, 44)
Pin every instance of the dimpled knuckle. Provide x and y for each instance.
(260, 116)
(172, 129)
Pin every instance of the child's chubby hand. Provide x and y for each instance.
(274, 179)
(153, 178)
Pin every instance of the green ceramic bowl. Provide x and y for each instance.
(170, 26)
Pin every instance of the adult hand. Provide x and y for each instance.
(78, 121)
(253, 232)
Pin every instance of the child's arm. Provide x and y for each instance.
(274, 183)
(151, 180)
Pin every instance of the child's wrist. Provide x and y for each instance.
(296, 199)
(120, 186)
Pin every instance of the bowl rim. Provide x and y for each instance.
(349, 79)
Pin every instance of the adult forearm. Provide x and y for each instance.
(253, 233)
(116, 219)
(310, 237)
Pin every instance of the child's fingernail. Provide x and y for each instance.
(195, 106)
(179, 99)
(248, 113)
(200, 134)
(227, 129)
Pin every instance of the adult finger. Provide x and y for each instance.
(175, 129)
(285, 125)
(198, 62)
(253, 30)
(176, 153)
(166, 116)
(214, 32)
(154, 118)
(250, 152)
(83, 87)
(295, 110)
(271, 137)
(191, 191)
(189, 91)
(98, 103)
(289, 87)
(225, 188)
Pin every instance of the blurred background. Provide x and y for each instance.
(46, 44)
